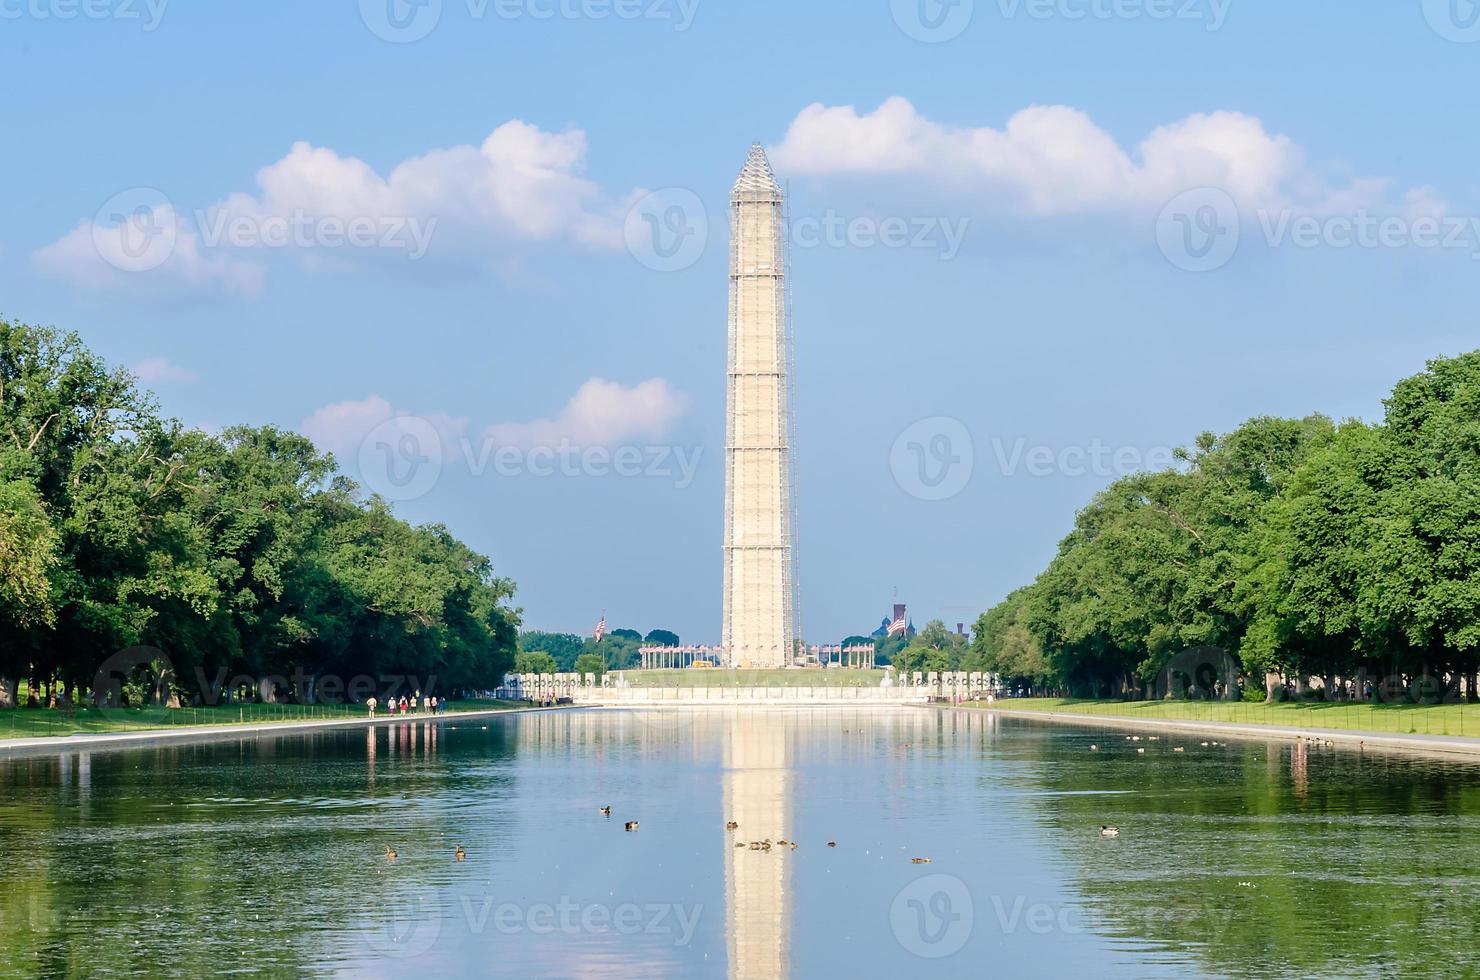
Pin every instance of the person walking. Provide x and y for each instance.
(371, 703)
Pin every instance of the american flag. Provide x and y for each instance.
(898, 626)
(601, 629)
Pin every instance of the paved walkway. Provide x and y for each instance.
(50, 745)
(1428, 744)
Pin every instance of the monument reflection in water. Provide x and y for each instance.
(757, 796)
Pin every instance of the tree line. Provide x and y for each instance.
(563, 653)
(243, 555)
(1306, 549)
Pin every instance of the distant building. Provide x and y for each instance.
(899, 613)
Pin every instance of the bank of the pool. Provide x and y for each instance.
(1446, 745)
(91, 742)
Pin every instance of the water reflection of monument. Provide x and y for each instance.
(757, 796)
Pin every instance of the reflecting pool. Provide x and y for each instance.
(268, 855)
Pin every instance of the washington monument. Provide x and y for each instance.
(759, 603)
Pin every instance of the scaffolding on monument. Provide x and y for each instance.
(793, 598)
(760, 513)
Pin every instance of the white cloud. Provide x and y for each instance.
(159, 370)
(1052, 160)
(1424, 202)
(601, 413)
(116, 257)
(521, 186)
(342, 428)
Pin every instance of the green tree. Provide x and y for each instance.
(1004, 645)
(535, 662)
(237, 554)
(564, 647)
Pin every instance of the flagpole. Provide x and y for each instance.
(600, 635)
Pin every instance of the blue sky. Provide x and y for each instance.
(1034, 333)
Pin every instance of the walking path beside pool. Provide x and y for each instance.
(54, 744)
(1428, 744)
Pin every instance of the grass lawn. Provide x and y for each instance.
(38, 722)
(1441, 719)
(721, 677)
